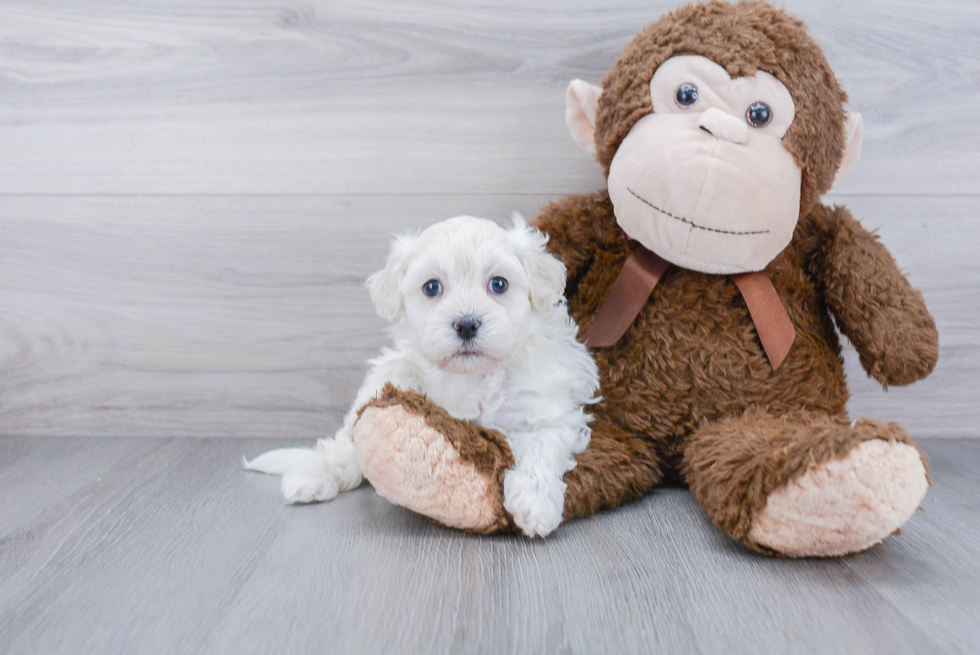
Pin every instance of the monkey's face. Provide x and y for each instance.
(705, 181)
(703, 125)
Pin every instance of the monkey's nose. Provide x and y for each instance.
(466, 327)
(723, 126)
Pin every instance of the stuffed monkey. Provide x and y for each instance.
(710, 283)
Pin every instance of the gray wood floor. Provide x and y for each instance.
(166, 546)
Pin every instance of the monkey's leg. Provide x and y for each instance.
(616, 467)
(418, 456)
(804, 484)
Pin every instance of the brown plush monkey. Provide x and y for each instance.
(711, 279)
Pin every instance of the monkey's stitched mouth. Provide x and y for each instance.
(691, 223)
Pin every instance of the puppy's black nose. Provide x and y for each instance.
(466, 327)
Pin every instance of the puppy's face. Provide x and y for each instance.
(464, 290)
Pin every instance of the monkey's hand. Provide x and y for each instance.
(875, 306)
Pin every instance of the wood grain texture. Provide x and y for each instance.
(194, 316)
(165, 546)
(192, 192)
(232, 316)
(429, 96)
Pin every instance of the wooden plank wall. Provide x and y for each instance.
(191, 193)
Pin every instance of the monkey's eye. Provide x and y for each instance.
(498, 285)
(687, 95)
(432, 288)
(759, 114)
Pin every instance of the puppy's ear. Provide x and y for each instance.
(385, 285)
(546, 275)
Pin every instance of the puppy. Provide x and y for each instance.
(480, 327)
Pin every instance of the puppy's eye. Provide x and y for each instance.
(498, 285)
(432, 288)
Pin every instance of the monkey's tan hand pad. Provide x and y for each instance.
(844, 506)
(419, 457)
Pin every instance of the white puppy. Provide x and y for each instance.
(481, 328)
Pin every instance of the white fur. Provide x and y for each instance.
(524, 374)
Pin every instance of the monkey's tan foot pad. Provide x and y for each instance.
(415, 466)
(844, 506)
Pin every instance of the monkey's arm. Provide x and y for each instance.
(875, 306)
(577, 226)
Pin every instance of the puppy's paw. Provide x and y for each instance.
(535, 503)
(309, 484)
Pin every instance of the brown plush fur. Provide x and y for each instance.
(486, 450)
(734, 464)
(688, 390)
(626, 465)
(692, 358)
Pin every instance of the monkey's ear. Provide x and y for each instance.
(854, 132)
(581, 105)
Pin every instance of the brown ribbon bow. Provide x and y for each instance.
(641, 273)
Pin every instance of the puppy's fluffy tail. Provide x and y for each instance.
(281, 460)
(311, 475)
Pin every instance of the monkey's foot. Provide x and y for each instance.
(419, 457)
(844, 506)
